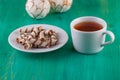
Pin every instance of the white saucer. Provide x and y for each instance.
(62, 35)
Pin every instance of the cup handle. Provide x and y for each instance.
(112, 38)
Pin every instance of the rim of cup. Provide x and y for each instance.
(88, 19)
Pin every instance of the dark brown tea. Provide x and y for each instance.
(88, 26)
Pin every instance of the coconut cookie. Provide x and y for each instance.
(60, 5)
(37, 8)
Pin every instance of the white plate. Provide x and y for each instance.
(62, 35)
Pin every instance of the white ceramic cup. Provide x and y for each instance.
(90, 42)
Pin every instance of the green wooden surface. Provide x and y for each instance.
(65, 63)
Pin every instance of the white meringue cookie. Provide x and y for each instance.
(37, 8)
(60, 5)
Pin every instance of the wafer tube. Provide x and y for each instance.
(26, 30)
(36, 30)
(22, 41)
(18, 39)
(53, 42)
(37, 42)
(27, 45)
(33, 34)
(43, 44)
(48, 43)
(42, 35)
(40, 28)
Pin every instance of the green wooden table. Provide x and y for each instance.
(65, 63)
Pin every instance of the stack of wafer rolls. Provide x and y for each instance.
(37, 37)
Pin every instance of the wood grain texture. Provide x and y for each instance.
(65, 63)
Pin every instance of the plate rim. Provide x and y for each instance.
(54, 49)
